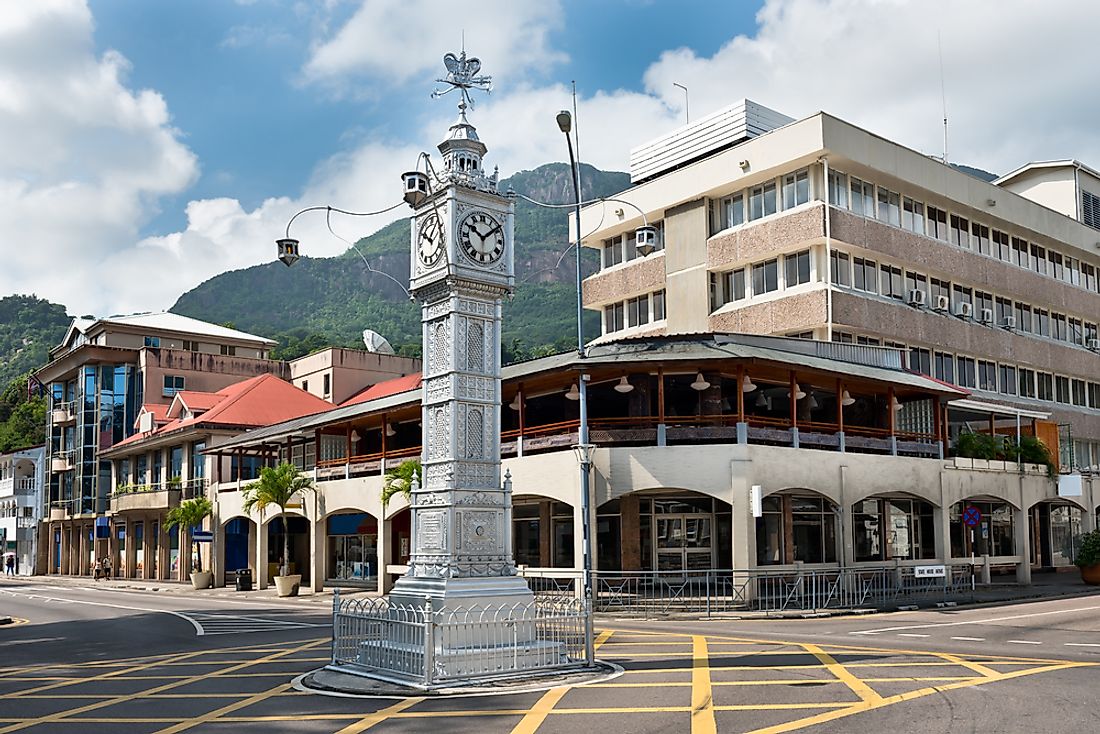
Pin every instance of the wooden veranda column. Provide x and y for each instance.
(793, 400)
(740, 393)
(522, 416)
(891, 417)
(385, 429)
(661, 395)
(347, 444)
(316, 447)
(840, 405)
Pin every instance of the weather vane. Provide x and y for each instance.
(462, 74)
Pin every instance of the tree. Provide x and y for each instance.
(400, 480)
(275, 488)
(190, 514)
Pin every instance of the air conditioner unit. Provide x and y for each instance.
(943, 303)
(986, 316)
(916, 297)
(964, 310)
(1094, 345)
(1009, 323)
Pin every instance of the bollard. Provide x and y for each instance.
(987, 575)
(429, 641)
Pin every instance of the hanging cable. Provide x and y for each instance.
(328, 223)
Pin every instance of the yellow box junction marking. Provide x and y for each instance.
(702, 701)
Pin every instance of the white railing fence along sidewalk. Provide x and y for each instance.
(422, 646)
(711, 591)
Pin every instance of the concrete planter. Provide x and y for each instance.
(202, 579)
(288, 585)
(1091, 574)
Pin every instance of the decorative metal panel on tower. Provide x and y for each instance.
(462, 268)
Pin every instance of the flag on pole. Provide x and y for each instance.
(34, 387)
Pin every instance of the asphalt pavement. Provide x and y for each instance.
(111, 660)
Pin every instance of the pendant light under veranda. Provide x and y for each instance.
(700, 383)
(624, 385)
(574, 393)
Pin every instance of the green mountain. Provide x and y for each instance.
(322, 301)
(29, 326)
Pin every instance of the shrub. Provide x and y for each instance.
(1088, 552)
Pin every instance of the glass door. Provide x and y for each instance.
(684, 542)
(669, 543)
(698, 545)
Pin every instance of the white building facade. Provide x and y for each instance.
(22, 503)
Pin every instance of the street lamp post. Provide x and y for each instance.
(583, 448)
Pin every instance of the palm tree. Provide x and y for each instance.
(190, 514)
(275, 488)
(401, 479)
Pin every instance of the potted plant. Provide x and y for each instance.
(191, 514)
(400, 479)
(1088, 557)
(275, 488)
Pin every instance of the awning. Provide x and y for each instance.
(982, 406)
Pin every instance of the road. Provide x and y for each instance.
(106, 660)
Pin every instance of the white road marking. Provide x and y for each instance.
(934, 625)
(1024, 642)
(1083, 644)
(198, 628)
(969, 639)
(909, 634)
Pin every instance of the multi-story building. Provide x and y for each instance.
(98, 380)
(337, 373)
(166, 462)
(22, 476)
(818, 229)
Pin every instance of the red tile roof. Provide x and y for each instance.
(384, 389)
(196, 402)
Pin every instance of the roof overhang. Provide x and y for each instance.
(985, 406)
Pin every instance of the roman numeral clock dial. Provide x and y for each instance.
(482, 237)
(429, 240)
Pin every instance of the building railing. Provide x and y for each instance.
(188, 488)
(771, 591)
(424, 647)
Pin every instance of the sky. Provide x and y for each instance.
(147, 146)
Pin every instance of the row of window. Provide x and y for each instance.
(762, 200)
(622, 248)
(877, 202)
(191, 346)
(884, 279)
(982, 374)
(634, 312)
(759, 278)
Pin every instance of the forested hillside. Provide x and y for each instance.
(29, 326)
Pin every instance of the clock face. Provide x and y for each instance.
(482, 237)
(429, 240)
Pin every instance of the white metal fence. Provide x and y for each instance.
(711, 591)
(426, 647)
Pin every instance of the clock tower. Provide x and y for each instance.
(462, 268)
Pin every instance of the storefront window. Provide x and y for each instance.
(353, 549)
(814, 530)
(992, 536)
(562, 523)
(769, 533)
(525, 534)
(885, 529)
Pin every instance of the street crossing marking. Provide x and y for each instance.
(217, 623)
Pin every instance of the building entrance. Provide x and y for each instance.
(683, 542)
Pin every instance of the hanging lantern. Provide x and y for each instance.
(288, 251)
(747, 385)
(624, 385)
(574, 393)
(700, 383)
(645, 238)
(416, 187)
(846, 399)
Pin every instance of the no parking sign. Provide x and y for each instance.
(972, 516)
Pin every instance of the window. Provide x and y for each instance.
(1008, 379)
(190, 346)
(172, 385)
(963, 295)
(937, 223)
(326, 385)
(912, 215)
(980, 236)
(1073, 271)
(1077, 387)
(797, 268)
(890, 282)
(1042, 322)
(889, 209)
(735, 285)
(1038, 259)
(863, 197)
(630, 246)
(637, 310)
(1090, 209)
(1020, 251)
(967, 373)
(732, 211)
(959, 231)
(1023, 315)
(613, 318)
(987, 375)
(868, 341)
(1057, 265)
(1004, 311)
(843, 337)
(1076, 331)
(1045, 384)
(838, 189)
(229, 351)
(893, 528)
(659, 305)
(813, 525)
(1058, 328)
(762, 201)
(920, 360)
(1027, 383)
(840, 265)
(939, 288)
(305, 385)
(612, 252)
(944, 366)
(864, 274)
(1001, 246)
(916, 281)
(152, 341)
(796, 189)
(1088, 276)
(1061, 389)
(765, 277)
(1094, 395)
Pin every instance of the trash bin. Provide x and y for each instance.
(244, 579)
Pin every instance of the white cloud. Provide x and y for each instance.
(82, 157)
(391, 42)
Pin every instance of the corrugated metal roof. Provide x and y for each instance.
(169, 321)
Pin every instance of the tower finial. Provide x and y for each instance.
(462, 74)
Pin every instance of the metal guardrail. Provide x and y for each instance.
(425, 647)
(711, 591)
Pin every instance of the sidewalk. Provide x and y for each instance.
(177, 587)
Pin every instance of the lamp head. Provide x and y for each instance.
(565, 121)
(288, 250)
(646, 239)
(416, 187)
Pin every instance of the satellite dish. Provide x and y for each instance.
(376, 343)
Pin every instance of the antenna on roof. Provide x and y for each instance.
(943, 95)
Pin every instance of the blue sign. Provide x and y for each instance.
(202, 536)
(972, 516)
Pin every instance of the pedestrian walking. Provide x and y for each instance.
(97, 570)
(9, 564)
(107, 568)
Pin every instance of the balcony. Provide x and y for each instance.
(63, 413)
(155, 497)
(13, 486)
(61, 461)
